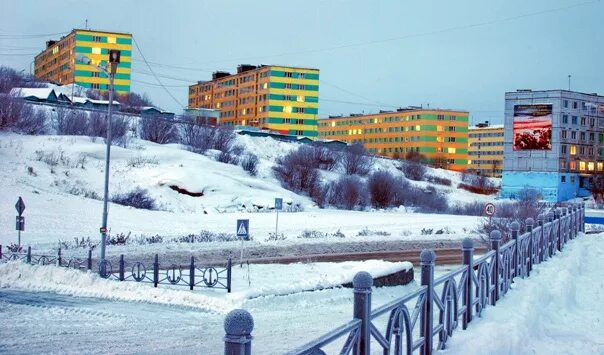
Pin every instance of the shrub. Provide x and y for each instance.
(120, 126)
(424, 200)
(31, 121)
(200, 138)
(368, 232)
(10, 111)
(139, 161)
(82, 243)
(506, 213)
(467, 209)
(325, 159)
(413, 170)
(137, 198)
(478, 184)
(157, 130)
(355, 160)
(71, 122)
(438, 180)
(207, 237)
(119, 239)
(382, 186)
(249, 163)
(348, 193)
(297, 170)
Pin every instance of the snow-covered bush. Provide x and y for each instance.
(413, 168)
(356, 160)
(249, 163)
(137, 198)
(382, 187)
(157, 130)
(297, 170)
(10, 111)
(228, 158)
(325, 159)
(438, 180)
(348, 192)
(71, 122)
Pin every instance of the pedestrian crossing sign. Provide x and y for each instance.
(243, 228)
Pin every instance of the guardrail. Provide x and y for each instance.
(423, 320)
(190, 275)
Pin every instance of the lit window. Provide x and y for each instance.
(349, 132)
(590, 166)
(439, 129)
(451, 150)
(573, 150)
(375, 120)
(287, 109)
(55, 50)
(572, 166)
(581, 165)
(265, 86)
(333, 123)
(112, 40)
(243, 123)
(417, 127)
(96, 50)
(439, 139)
(300, 98)
(600, 166)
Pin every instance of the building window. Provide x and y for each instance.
(563, 149)
(563, 178)
(572, 166)
(590, 166)
(451, 150)
(581, 165)
(575, 105)
(573, 150)
(563, 134)
(574, 120)
(564, 118)
(111, 40)
(96, 50)
(573, 135)
(566, 103)
(96, 38)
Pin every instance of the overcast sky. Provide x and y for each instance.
(372, 54)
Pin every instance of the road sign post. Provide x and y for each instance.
(489, 210)
(243, 231)
(278, 207)
(20, 225)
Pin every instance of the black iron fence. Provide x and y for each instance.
(191, 275)
(423, 320)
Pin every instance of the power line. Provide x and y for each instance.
(157, 85)
(16, 54)
(164, 76)
(421, 34)
(323, 81)
(177, 66)
(28, 36)
(156, 78)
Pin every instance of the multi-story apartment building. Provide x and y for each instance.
(485, 149)
(554, 142)
(441, 136)
(58, 62)
(277, 98)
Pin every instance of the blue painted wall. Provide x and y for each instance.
(549, 184)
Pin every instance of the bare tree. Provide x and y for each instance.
(71, 122)
(10, 111)
(348, 193)
(156, 129)
(382, 188)
(356, 160)
(413, 167)
(32, 121)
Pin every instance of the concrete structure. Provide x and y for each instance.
(559, 163)
(278, 98)
(58, 64)
(441, 136)
(485, 149)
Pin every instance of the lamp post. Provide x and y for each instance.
(114, 59)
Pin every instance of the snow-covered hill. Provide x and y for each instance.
(61, 181)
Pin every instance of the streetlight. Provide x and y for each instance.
(114, 60)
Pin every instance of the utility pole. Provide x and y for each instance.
(569, 82)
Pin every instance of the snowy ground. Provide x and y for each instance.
(61, 310)
(557, 310)
(58, 175)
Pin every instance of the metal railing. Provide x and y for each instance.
(424, 320)
(190, 275)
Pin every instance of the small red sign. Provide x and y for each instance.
(489, 209)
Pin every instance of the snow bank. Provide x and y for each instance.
(248, 282)
(557, 310)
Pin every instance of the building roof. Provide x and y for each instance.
(393, 112)
(108, 32)
(493, 126)
(39, 93)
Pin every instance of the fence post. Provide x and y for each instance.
(59, 257)
(582, 217)
(156, 271)
(515, 227)
(541, 244)
(557, 214)
(29, 254)
(122, 267)
(550, 237)
(563, 225)
(89, 259)
(495, 238)
(362, 283)
(575, 222)
(467, 247)
(229, 265)
(238, 326)
(192, 273)
(427, 258)
(529, 229)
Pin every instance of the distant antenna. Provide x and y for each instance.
(86, 25)
(569, 82)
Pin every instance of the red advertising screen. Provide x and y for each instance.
(532, 127)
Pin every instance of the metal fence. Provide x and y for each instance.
(425, 319)
(190, 275)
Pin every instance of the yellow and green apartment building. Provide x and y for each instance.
(485, 149)
(441, 136)
(278, 98)
(58, 63)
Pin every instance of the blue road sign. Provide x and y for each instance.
(243, 228)
(278, 204)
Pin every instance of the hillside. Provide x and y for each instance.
(61, 180)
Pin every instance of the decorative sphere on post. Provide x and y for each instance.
(515, 226)
(362, 280)
(238, 322)
(467, 243)
(495, 235)
(427, 256)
